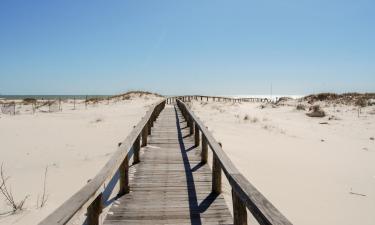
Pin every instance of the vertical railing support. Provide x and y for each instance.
(204, 153)
(216, 175)
(149, 126)
(94, 210)
(136, 149)
(144, 135)
(124, 177)
(239, 210)
(196, 135)
(191, 125)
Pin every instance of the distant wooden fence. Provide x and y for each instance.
(8, 108)
(188, 98)
(89, 197)
(244, 194)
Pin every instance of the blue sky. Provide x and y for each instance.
(186, 47)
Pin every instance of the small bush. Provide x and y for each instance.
(300, 107)
(316, 111)
(361, 102)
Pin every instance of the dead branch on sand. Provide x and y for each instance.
(6, 191)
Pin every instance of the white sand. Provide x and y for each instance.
(280, 150)
(306, 169)
(74, 144)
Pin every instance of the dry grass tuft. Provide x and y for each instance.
(251, 119)
(43, 199)
(6, 191)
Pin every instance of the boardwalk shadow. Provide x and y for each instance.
(194, 207)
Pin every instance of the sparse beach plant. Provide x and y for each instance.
(251, 119)
(6, 192)
(43, 199)
(254, 120)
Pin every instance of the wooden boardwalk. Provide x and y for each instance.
(170, 185)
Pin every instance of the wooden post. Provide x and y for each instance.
(239, 210)
(94, 210)
(149, 125)
(216, 175)
(196, 135)
(86, 102)
(124, 177)
(136, 149)
(204, 153)
(191, 125)
(144, 135)
(74, 102)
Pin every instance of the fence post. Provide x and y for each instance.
(239, 210)
(216, 175)
(144, 135)
(196, 135)
(136, 149)
(94, 210)
(149, 125)
(204, 153)
(124, 177)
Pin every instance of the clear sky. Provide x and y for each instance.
(183, 47)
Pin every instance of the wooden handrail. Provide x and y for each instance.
(90, 196)
(243, 192)
(172, 99)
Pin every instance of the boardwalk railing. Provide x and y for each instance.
(244, 194)
(188, 98)
(90, 196)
